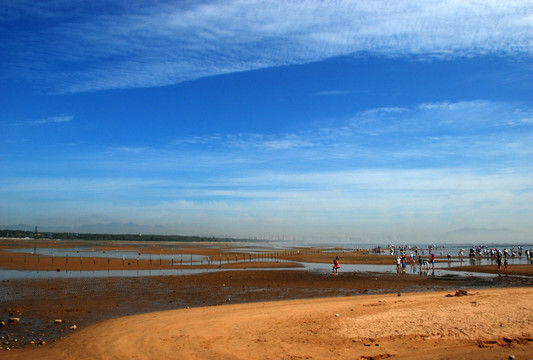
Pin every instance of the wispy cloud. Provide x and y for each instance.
(42, 121)
(139, 45)
(130, 149)
(250, 141)
(442, 131)
(333, 93)
(52, 120)
(447, 164)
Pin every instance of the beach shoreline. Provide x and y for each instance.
(50, 310)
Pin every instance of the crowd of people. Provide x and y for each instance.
(427, 263)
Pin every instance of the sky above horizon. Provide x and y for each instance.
(309, 120)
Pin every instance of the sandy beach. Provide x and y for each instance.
(254, 313)
(485, 324)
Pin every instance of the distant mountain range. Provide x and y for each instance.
(110, 228)
(465, 236)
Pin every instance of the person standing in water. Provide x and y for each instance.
(336, 266)
(499, 263)
(433, 260)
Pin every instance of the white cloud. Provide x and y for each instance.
(165, 43)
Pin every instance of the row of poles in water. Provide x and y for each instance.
(185, 259)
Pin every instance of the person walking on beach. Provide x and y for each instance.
(336, 266)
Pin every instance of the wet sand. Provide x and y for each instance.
(220, 255)
(86, 302)
(519, 269)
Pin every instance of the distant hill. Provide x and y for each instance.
(486, 236)
(26, 231)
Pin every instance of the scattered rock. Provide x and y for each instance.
(2, 323)
(337, 315)
(73, 327)
(58, 321)
(511, 357)
(461, 292)
(15, 311)
(13, 320)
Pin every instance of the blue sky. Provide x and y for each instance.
(310, 120)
